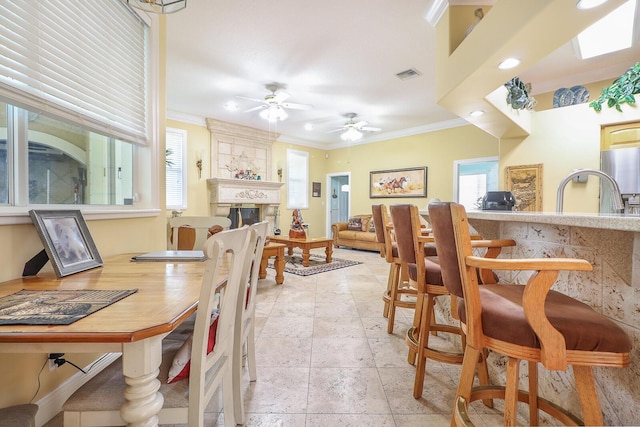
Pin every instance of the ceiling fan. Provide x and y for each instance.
(354, 130)
(273, 105)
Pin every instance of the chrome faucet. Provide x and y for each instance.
(616, 197)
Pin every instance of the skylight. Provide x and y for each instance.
(612, 33)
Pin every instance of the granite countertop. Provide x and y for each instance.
(602, 221)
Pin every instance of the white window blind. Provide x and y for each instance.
(297, 179)
(83, 61)
(176, 181)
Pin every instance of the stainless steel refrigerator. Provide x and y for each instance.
(623, 164)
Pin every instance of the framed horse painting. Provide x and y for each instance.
(392, 183)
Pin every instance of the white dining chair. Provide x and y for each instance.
(98, 402)
(245, 317)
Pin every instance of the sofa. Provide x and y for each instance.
(357, 233)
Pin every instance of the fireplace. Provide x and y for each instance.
(256, 200)
(244, 216)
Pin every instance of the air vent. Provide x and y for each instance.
(408, 74)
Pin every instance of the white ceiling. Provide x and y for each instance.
(338, 56)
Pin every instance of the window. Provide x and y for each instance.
(176, 170)
(472, 179)
(58, 163)
(76, 105)
(297, 179)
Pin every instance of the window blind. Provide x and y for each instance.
(297, 179)
(175, 181)
(81, 61)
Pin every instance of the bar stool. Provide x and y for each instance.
(523, 322)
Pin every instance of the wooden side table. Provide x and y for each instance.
(276, 250)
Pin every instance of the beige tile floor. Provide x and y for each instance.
(324, 357)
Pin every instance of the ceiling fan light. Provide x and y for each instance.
(158, 6)
(589, 4)
(274, 113)
(351, 134)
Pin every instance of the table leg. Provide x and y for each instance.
(290, 250)
(305, 257)
(328, 252)
(279, 265)
(263, 268)
(140, 366)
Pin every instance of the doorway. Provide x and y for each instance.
(339, 200)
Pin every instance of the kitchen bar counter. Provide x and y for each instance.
(611, 243)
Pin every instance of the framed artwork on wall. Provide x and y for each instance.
(66, 240)
(525, 183)
(316, 189)
(395, 183)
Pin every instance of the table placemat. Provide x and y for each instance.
(55, 307)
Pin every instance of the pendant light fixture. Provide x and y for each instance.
(158, 6)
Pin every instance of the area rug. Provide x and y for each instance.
(317, 264)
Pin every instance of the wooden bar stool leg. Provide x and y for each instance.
(588, 395)
(387, 296)
(511, 391)
(413, 335)
(393, 298)
(423, 344)
(467, 375)
(534, 417)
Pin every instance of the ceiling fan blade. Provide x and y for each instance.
(259, 107)
(280, 97)
(250, 99)
(335, 130)
(296, 106)
(360, 124)
(370, 129)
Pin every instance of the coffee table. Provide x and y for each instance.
(306, 245)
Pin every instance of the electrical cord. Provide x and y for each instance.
(59, 361)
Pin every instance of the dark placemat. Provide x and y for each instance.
(55, 307)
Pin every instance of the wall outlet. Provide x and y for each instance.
(52, 360)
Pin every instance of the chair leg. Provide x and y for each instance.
(469, 362)
(534, 418)
(423, 344)
(232, 412)
(251, 352)
(417, 320)
(387, 295)
(588, 395)
(393, 297)
(483, 371)
(511, 391)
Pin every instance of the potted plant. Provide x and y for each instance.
(621, 90)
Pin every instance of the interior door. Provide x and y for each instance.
(338, 198)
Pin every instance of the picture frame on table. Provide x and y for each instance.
(66, 240)
(396, 183)
(525, 183)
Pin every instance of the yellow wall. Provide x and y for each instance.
(564, 139)
(436, 150)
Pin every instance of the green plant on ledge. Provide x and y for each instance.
(621, 90)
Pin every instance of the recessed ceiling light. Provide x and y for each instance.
(231, 106)
(589, 4)
(308, 126)
(476, 113)
(509, 63)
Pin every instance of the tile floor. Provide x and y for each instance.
(324, 357)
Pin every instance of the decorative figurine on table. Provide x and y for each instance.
(297, 230)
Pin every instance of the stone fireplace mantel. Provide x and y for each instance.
(225, 194)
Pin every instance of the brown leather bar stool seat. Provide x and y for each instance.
(524, 322)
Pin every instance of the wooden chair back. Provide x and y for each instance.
(199, 224)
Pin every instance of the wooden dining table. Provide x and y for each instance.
(167, 294)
